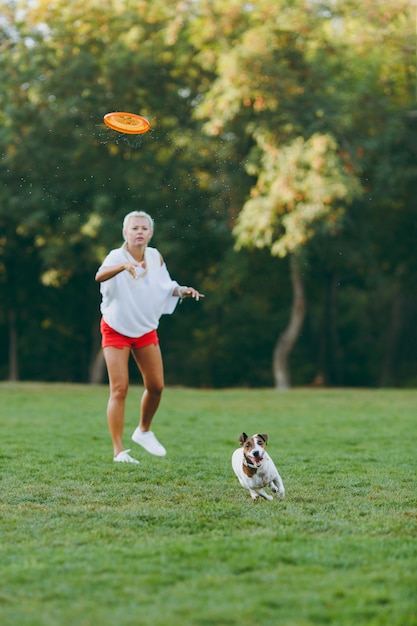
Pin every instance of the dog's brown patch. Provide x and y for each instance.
(249, 471)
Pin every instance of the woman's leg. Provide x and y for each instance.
(149, 362)
(117, 368)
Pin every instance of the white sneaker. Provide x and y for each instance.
(149, 442)
(124, 457)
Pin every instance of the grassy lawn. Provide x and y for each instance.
(176, 541)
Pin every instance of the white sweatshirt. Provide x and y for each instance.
(133, 306)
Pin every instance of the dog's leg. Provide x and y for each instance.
(265, 495)
(254, 494)
(277, 487)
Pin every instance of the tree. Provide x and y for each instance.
(266, 74)
(68, 180)
(301, 189)
(327, 88)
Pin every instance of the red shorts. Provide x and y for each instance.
(111, 338)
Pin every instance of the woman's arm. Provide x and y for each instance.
(187, 292)
(108, 271)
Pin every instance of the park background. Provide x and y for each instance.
(281, 173)
(280, 170)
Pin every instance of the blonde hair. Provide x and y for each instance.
(136, 214)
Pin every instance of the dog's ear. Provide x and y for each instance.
(264, 437)
(242, 438)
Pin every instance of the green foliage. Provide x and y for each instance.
(86, 541)
(300, 188)
(235, 92)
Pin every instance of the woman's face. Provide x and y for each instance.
(138, 231)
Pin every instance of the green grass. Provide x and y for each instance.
(176, 541)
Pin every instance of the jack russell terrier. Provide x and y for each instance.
(255, 469)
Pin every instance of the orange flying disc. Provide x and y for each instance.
(127, 123)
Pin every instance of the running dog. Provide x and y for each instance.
(255, 469)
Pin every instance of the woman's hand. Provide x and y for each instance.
(130, 266)
(107, 272)
(189, 292)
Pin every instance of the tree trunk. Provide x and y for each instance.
(97, 368)
(13, 354)
(388, 375)
(289, 336)
(97, 364)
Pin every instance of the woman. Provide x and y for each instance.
(136, 290)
